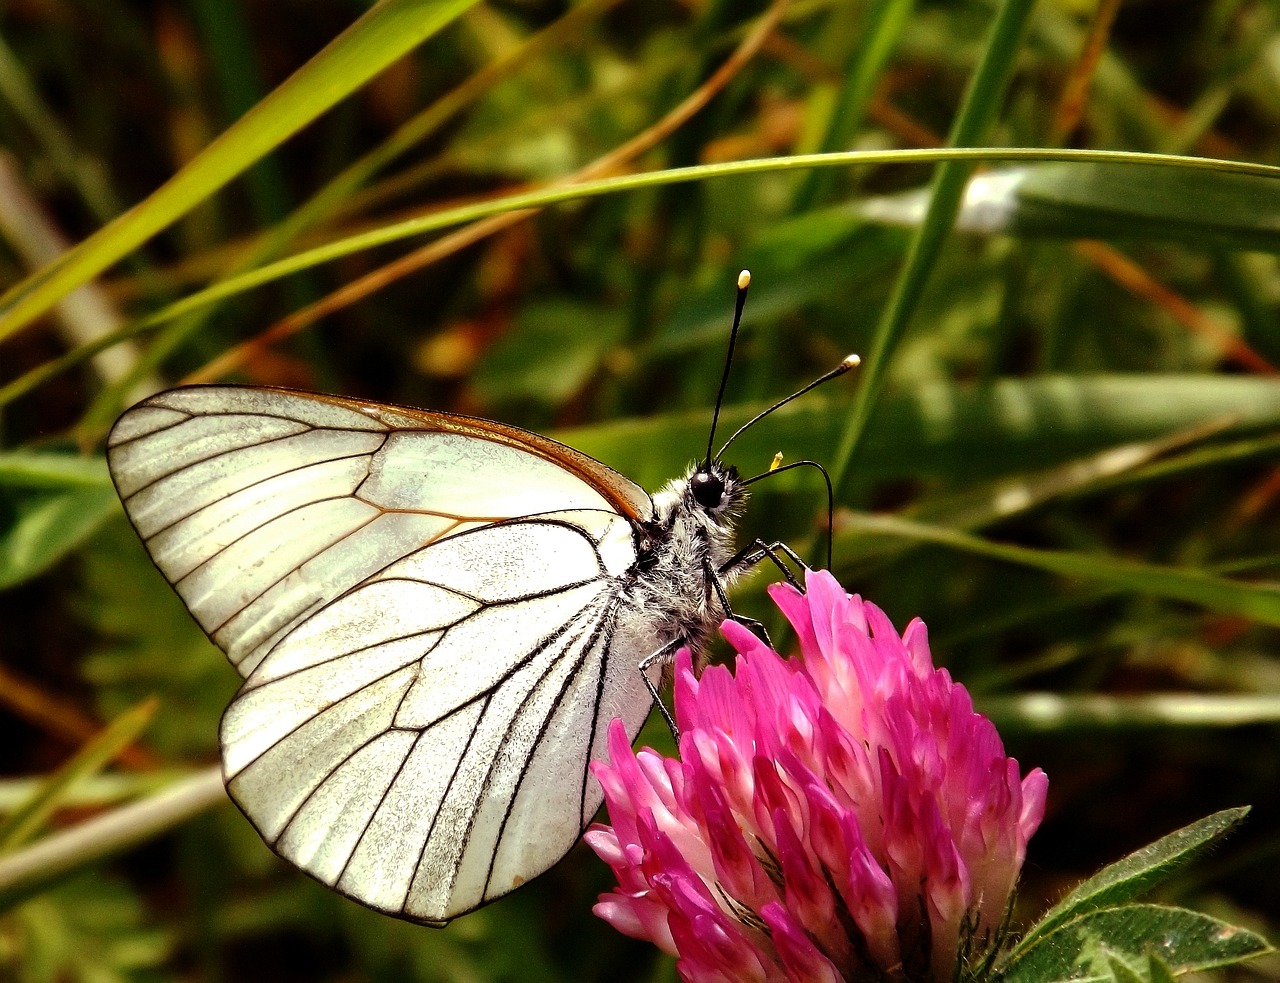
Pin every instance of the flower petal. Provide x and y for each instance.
(844, 816)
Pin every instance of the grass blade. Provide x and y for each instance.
(382, 35)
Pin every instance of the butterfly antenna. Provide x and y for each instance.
(777, 467)
(744, 281)
(852, 361)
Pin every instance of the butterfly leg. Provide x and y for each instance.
(659, 656)
(758, 550)
(757, 628)
(716, 585)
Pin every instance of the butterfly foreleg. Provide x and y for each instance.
(758, 550)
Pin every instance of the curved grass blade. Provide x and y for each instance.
(387, 31)
(447, 218)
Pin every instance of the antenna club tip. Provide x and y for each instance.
(744, 279)
(851, 361)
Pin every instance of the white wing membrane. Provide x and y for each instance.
(426, 618)
(187, 543)
(260, 506)
(424, 750)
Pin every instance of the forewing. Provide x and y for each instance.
(261, 506)
(422, 743)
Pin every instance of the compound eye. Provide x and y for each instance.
(708, 489)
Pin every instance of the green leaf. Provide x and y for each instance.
(1121, 971)
(49, 504)
(1137, 873)
(1083, 948)
(1101, 201)
(381, 36)
(1158, 971)
(1201, 208)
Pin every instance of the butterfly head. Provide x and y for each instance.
(694, 522)
(715, 490)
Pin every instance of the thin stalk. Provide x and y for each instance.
(977, 111)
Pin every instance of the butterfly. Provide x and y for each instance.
(436, 617)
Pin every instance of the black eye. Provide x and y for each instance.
(707, 488)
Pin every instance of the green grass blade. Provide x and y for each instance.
(881, 28)
(93, 792)
(1261, 602)
(90, 759)
(383, 34)
(81, 170)
(430, 120)
(978, 109)
(339, 191)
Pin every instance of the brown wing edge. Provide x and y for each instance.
(628, 498)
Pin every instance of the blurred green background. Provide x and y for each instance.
(1061, 451)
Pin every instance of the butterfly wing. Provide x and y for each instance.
(424, 609)
(261, 505)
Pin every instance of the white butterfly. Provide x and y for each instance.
(436, 618)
